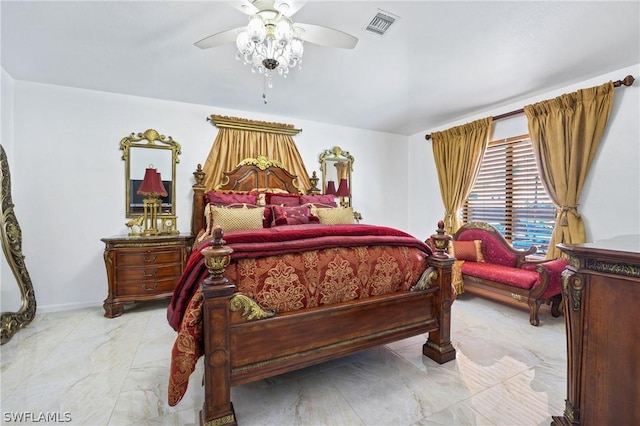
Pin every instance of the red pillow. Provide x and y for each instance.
(220, 198)
(283, 215)
(324, 199)
(283, 199)
(300, 220)
(267, 218)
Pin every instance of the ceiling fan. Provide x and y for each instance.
(271, 40)
(271, 11)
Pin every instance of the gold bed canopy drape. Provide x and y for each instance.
(565, 133)
(239, 138)
(458, 154)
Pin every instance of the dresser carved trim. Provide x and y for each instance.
(601, 289)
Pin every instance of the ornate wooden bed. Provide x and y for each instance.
(242, 342)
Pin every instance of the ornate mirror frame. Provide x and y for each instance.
(12, 248)
(336, 164)
(139, 151)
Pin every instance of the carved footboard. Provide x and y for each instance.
(243, 345)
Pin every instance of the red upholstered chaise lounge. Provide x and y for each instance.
(493, 268)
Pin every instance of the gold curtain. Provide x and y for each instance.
(458, 153)
(565, 133)
(239, 138)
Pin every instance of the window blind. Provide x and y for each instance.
(509, 195)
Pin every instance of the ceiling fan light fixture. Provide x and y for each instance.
(256, 29)
(270, 43)
(283, 32)
(243, 44)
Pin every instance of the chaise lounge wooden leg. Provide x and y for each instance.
(534, 307)
(556, 305)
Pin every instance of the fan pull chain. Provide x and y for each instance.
(264, 89)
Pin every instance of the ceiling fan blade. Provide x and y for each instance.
(218, 39)
(244, 6)
(288, 7)
(325, 36)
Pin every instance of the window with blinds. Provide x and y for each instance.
(509, 195)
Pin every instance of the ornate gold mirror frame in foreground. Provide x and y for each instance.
(12, 248)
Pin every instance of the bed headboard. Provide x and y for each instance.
(252, 173)
(249, 174)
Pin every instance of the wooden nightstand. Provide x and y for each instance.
(143, 268)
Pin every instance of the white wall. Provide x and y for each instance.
(610, 201)
(69, 176)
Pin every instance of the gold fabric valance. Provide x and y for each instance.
(221, 122)
(239, 138)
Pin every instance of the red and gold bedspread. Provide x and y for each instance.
(288, 269)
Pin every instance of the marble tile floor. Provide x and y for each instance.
(89, 370)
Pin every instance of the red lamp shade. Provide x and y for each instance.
(152, 184)
(331, 188)
(343, 189)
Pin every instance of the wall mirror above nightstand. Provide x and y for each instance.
(336, 166)
(150, 182)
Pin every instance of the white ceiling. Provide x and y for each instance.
(439, 62)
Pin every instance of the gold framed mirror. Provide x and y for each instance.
(12, 247)
(336, 166)
(141, 152)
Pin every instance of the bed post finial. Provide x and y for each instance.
(199, 175)
(217, 257)
(441, 242)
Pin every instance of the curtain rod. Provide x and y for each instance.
(627, 81)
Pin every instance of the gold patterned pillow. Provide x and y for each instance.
(230, 219)
(466, 250)
(334, 216)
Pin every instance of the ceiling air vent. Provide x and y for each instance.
(381, 22)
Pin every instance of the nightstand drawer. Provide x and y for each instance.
(148, 257)
(147, 287)
(148, 272)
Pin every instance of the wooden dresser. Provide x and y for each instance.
(142, 268)
(601, 290)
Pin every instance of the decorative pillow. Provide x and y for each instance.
(298, 220)
(334, 216)
(324, 199)
(230, 219)
(281, 213)
(283, 199)
(261, 194)
(466, 250)
(266, 220)
(292, 215)
(220, 198)
(319, 206)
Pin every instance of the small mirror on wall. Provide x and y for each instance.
(150, 182)
(336, 166)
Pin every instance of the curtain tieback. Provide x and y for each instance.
(448, 219)
(563, 214)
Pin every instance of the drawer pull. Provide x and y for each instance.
(154, 287)
(148, 275)
(147, 258)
